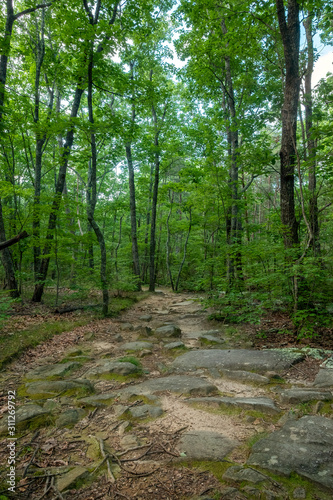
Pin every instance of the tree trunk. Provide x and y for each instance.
(290, 34)
(7, 261)
(92, 188)
(64, 157)
(153, 215)
(135, 250)
(311, 152)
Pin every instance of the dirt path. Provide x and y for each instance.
(100, 441)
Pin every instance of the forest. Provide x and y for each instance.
(168, 143)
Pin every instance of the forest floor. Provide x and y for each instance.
(115, 437)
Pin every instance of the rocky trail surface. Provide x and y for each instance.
(161, 403)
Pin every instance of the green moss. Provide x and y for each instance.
(216, 468)
(130, 359)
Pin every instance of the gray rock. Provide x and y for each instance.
(59, 386)
(174, 345)
(264, 405)
(58, 370)
(70, 417)
(304, 395)
(99, 399)
(70, 479)
(136, 346)
(247, 376)
(231, 494)
(211, 339)
(145, 331)
(126, 326)
(238, 359)
(146, 411)
(239, 474)
(324, 378)
(205, 445)
(23, 416)
(303, 446)
(168, 331)
(105, 367)
(197, 335)
(146, 317)
(299, 493)
(174, 383)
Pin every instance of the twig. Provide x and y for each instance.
(133, 449)
(137, 458)
(30, 461)
(265, 475)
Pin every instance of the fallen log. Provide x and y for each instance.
(68, 309)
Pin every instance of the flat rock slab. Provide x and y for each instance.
(237, 359)
(168, 331)
(205, 445)
(174, 383)
(145, 411)
(211, 338)
(174, 345)
(246, 376)
(324, 378)
(58, 370)
(70, 479)
(238, 473)
(136, 346)
(303, 446)
(59, 386)
(24, 415)
(304, 395)
(105, 367)
(70, 417)
(265, 405)
(146, 317)
(98, 399)
(197, 335)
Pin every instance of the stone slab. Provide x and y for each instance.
(304, 395)
(205, 445)
(168, 331)
(265, 405)
(238, 359)
(57, 370)
(58, 386)
(175, 383)
(303, 446)
(105, 367)
(324, 378)
(23, 414)
(238, 473)
(136, 346)
(70, 479)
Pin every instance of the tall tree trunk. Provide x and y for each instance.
(64, 157)
(235, 264)
(135, 250)
(7, 261)
(311, 152)
(154, 209)
(290, 34)
(92, 188)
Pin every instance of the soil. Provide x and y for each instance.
(149, 471)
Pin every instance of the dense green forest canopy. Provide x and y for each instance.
(180, 143)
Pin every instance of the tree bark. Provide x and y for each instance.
(311, 152)
(60, 183)
(290, 34)
(135, 250)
